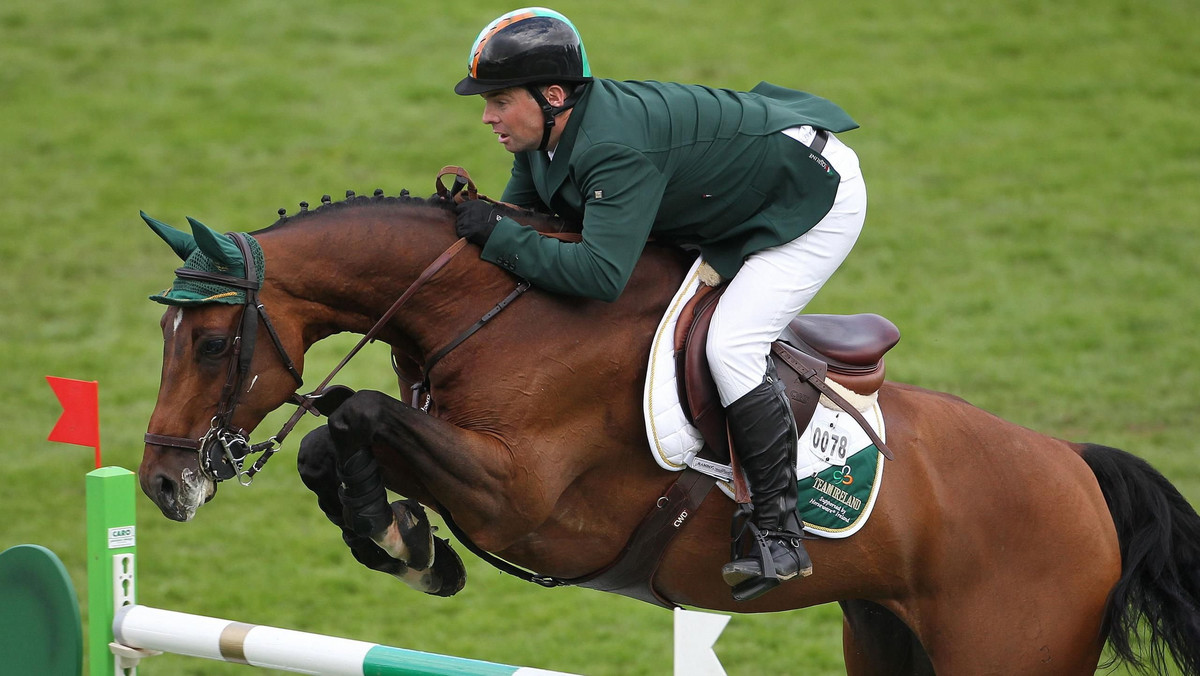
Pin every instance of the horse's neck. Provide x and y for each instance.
(341, 274)
(344, 274)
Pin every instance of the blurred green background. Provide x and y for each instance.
(1032, 170)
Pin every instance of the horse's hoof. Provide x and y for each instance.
(415, 532)
(448, 568)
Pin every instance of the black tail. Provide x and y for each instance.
(1159, 534)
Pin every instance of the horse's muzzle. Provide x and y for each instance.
(178, 498)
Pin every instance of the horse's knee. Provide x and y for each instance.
(316, 458)
(352, 425)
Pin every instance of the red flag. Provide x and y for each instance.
(80, 420)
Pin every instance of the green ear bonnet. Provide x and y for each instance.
(207, 251)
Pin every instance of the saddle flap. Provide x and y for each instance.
(698, 390)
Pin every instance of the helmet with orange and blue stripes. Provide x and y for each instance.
(527, 46)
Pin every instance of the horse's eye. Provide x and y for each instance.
(213, 347)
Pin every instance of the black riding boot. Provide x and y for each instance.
(765, 436)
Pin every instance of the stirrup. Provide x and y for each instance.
(738, 569)
(750, 576)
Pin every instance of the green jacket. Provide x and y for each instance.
(690, 164)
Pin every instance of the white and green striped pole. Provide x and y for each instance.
(296, 651)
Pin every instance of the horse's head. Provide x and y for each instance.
(215, 385)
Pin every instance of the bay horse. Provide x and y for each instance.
(992, 548)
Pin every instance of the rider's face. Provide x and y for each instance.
(515, 117)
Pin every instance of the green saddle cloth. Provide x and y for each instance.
(836, 501)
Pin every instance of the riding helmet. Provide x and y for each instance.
(525, 46)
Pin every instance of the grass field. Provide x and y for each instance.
(1032, 230)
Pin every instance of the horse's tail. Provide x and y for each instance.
(1159, 534)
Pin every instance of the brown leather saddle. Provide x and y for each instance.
(848, 349)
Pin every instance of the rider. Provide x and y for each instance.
(756, 180)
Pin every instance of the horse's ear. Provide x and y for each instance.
(181, 243)
(217, 246)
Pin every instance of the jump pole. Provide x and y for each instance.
(296, 651)
(121, 632)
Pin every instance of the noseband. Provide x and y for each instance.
(224, 448)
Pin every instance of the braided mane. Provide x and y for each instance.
(540, 221)
(404, 198)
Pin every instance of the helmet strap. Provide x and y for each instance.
(550, 112)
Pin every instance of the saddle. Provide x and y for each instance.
(848, 349)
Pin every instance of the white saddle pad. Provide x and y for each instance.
(827, 441)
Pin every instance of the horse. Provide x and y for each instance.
(992, 548)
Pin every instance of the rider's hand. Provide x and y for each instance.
(475, 220)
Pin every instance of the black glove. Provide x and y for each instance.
(475, 220)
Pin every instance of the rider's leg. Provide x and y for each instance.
(765, 436)
(772, 287)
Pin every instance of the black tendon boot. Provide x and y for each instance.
(765, 437)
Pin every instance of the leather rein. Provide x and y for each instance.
(225, 448)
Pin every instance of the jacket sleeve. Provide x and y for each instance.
(621, 190)
(521, 190)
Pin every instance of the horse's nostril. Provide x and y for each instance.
(166, 490)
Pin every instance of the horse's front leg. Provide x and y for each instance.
(496, 496)
(416, 557)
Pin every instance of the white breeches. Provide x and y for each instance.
(775, 284)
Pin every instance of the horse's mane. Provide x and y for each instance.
(377, 200)
(405, 199)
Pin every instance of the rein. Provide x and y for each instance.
(309, 399)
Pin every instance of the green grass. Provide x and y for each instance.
(1032, 170)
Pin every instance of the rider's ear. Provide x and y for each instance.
(556, 95)
(181, 243)
(217, 246)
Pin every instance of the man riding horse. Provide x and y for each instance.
(755, 180)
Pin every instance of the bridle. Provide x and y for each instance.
(225, 448)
